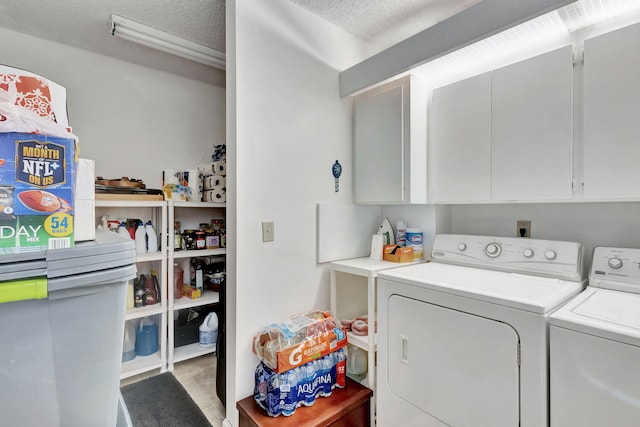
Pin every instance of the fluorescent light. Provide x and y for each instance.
(156, 39)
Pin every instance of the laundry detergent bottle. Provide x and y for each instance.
(141, 239)
(152, 237)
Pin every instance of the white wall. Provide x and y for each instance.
(592, 224)
(134, 121)
(290, 127)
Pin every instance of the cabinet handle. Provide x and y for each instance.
(404, 343)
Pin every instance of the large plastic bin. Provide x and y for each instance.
(61, 334)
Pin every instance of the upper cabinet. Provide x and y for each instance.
(505, 135)
(532, 126)
(390, 144)
(611, 125)
(460, 141)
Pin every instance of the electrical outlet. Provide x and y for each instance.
(267, 231)
(523, 228)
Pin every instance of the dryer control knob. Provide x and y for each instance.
(615, 263)
(528, 253)
(462, 247)
(550, 255)
(493, 250)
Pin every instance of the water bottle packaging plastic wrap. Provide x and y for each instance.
(283, 393)
(299, 340)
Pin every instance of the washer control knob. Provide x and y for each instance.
(528, 253)
(462, 247)
(550, 255)
(493, 250)
(615, 263)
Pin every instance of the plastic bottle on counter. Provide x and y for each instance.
(152, 237)
(141, 239)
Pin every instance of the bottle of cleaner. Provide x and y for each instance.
(141, 239)
(122, 230)
(152, 237)
(209, 330)
(150, 295)
(401, 233)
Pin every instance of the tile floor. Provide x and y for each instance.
(198, 377)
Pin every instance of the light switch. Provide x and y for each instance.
(267, 231)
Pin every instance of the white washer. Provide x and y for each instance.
(595, 346)
(462, 340)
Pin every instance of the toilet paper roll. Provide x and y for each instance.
(210, 182)
(193, 179)
(171, 176)
(220, 167)
(219, 195)
(376, 247)
(206, 169)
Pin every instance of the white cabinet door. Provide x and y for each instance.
(387, 155)
(611, 120)
(460, 141)
(532, 128)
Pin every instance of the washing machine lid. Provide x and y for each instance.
(604, 313)
(535, 294)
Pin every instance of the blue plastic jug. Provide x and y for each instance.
(146, 337)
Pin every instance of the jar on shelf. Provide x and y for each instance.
(201, 241)
(217, 224)
(189, 240)
(213, 239)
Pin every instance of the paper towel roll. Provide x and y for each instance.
(376, 247)
(219, 195)
(171, 176)
(220, 167)
(212, 181)
(193, 179)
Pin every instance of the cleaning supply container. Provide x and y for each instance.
(146, 337)
(129, 342)
(356, 363)
(62, 312)
(414, 240)
(209, 330)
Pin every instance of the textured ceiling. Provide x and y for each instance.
(85, 24)
(385, 22)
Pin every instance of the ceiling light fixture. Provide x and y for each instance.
(156, 39)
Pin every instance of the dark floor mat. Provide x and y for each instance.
(161, 401)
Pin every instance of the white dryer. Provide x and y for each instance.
(595, 346)
(462, 340)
